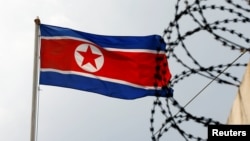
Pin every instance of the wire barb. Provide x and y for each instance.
(222, 31)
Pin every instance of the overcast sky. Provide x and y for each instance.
(66, 114)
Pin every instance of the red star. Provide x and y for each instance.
(89, 57)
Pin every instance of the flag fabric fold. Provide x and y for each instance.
(240, 111)
(126, 67)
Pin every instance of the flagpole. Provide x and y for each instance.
(35, 84)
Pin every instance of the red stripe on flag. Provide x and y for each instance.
(134, 67)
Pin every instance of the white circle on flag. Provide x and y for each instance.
(89, 57)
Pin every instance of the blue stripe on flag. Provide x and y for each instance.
(106, 88)
(150, 42)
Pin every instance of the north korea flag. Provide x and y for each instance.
(125, 67)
